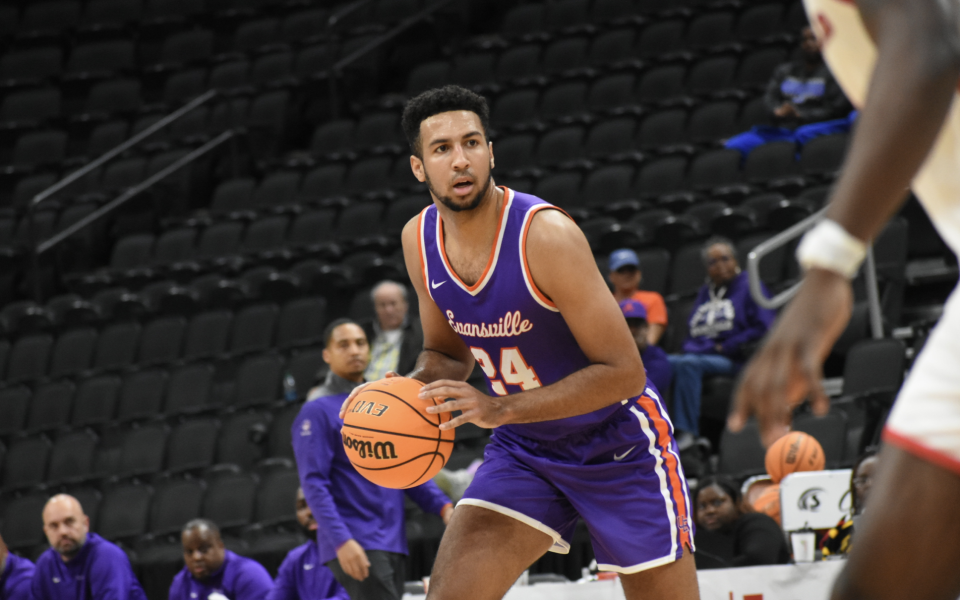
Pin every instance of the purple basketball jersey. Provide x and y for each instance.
(518, 336)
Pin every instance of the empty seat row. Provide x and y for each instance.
(164, 339)
(127, 511)
(565, 15)
(76, 456)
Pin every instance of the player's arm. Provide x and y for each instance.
(910, 93)
(563, 268)
(444, 354)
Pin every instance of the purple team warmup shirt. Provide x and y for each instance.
(238, 578)
(15, 579)
(303, 577)
(726, 315)
(100, 571)
(344, 503)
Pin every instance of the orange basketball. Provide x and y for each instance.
(389, 437)
(794, 452)
(769, 502)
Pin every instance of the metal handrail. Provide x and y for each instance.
(769, 245)
(130, 193)
(133, 141)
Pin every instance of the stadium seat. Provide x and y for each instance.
(830, 430)
(230, 499)
(663, 128)
(258, 380)
(687, 272)
(73, 352)
(661, 176)
(242, 439)
(71, 458)
(565, 54)
(660, 37)
(518, 62)
(125, 511)
(742, 454)
(191, 445)
(141, 394)
(173, 504)
(661, 83)
(276, 189)
(523, 19)
(760, 21)
(29, 357)
(769, 161)
(608, 184)
(301, 322)
(143, 449)
(14, 405)
(610, 137)
(562, 189)
(20, 526)
(50, 406)
(25, 463)
(95, 401)
(276, 497)
(161, 340)
(253, 328)
(189, 389)
(560, 145)
(710, 123)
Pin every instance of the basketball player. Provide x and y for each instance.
(898, 60)
(508, 281)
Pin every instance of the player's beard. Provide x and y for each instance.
(449, 202)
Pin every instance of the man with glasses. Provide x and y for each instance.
(724, 322)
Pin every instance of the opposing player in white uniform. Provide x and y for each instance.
(898, 60)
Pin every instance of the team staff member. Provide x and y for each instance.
(212, 569)
(361, 534)
(15, 575)
(302, 576)
(80, 565)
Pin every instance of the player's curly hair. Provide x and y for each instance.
(440, 100)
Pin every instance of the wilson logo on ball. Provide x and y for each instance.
(379, 450)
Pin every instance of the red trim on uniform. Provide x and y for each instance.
(937, 457)
(420, 234)
(523, 250)
(493, 251)
(663, 440)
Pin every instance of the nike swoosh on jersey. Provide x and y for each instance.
(435, 285)
(622, 456)
(307, 567)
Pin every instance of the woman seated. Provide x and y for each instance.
(729, 536)
(839, 539)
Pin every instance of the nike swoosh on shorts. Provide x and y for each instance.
(622, 456)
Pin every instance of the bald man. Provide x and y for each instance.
(396, 337)
(214, 573)
(80, 565)
(15, 575)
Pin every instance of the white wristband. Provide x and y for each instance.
(829, 246)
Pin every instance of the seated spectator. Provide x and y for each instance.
(625, 275)
(804, 101)
(302, 576)
(15, 575)
(80, 564)
(212, 569)
(839, 540)
(395, 336)
(729, 536)
(724, 322)
(654, 359)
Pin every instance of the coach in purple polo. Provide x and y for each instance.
(301, 575)
(211, 572)
(361, 533)
(80, 565)
(15, 575)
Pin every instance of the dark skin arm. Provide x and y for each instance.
(909, 96)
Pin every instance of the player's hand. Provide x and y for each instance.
(353, 560)
(358, 389)
(446, 514)
(485, 411)
(789, 366)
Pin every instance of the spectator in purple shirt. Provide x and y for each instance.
(15, 575)
(214, 573)
(80, 565)
(361, 533)
(654, 359)
(302, 576)
(724, 322)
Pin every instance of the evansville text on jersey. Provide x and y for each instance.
(509, 325)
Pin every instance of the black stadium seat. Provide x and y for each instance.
(191, 445)
(125, 511)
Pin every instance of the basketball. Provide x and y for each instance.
(769, 502)
(389, 437)
(794, 452)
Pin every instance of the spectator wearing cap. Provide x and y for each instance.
(654, 358)
(213, 572)
(625, 275)
(724, 323)
(15, 575)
